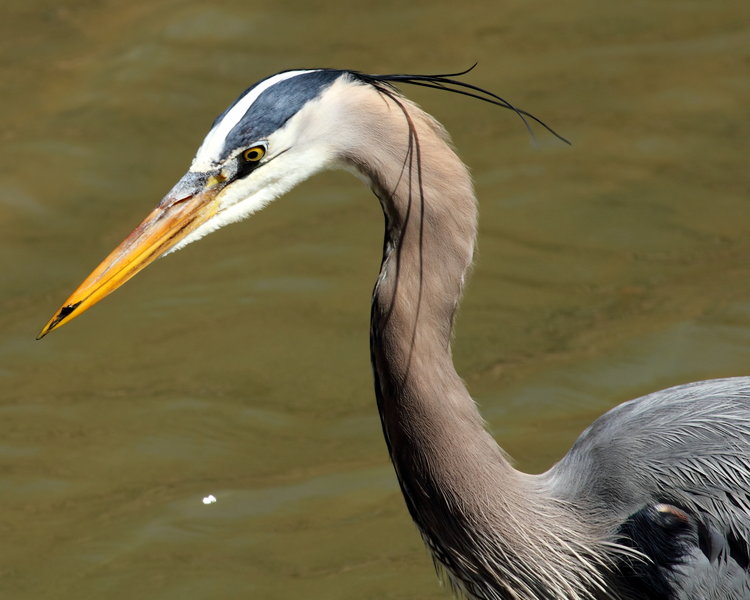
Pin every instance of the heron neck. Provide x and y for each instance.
(491, 526)
(429, 418)
(449, 468)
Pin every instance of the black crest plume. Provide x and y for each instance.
(447, 83)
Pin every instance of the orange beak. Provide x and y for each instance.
(188, 206)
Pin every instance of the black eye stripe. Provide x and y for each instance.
(244, 166)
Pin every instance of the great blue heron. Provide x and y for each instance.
(652, 501)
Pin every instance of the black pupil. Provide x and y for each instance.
(252, 155)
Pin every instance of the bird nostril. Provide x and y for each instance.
(176, 201)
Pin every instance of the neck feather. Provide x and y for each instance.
(492, 527)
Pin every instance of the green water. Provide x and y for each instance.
(240, 368)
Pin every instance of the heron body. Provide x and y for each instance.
(651, 502)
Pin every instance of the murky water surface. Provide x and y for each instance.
(240, 367)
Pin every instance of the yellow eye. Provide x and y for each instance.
(254, 154)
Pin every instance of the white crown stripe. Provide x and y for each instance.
(212, 146)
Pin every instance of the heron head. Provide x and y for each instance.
(276, 134)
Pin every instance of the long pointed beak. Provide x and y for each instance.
(181, 212)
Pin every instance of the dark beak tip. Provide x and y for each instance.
(62, 314)
(45, 330)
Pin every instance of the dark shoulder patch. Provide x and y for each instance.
(670, 538)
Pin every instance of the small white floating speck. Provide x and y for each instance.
(210, 499)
